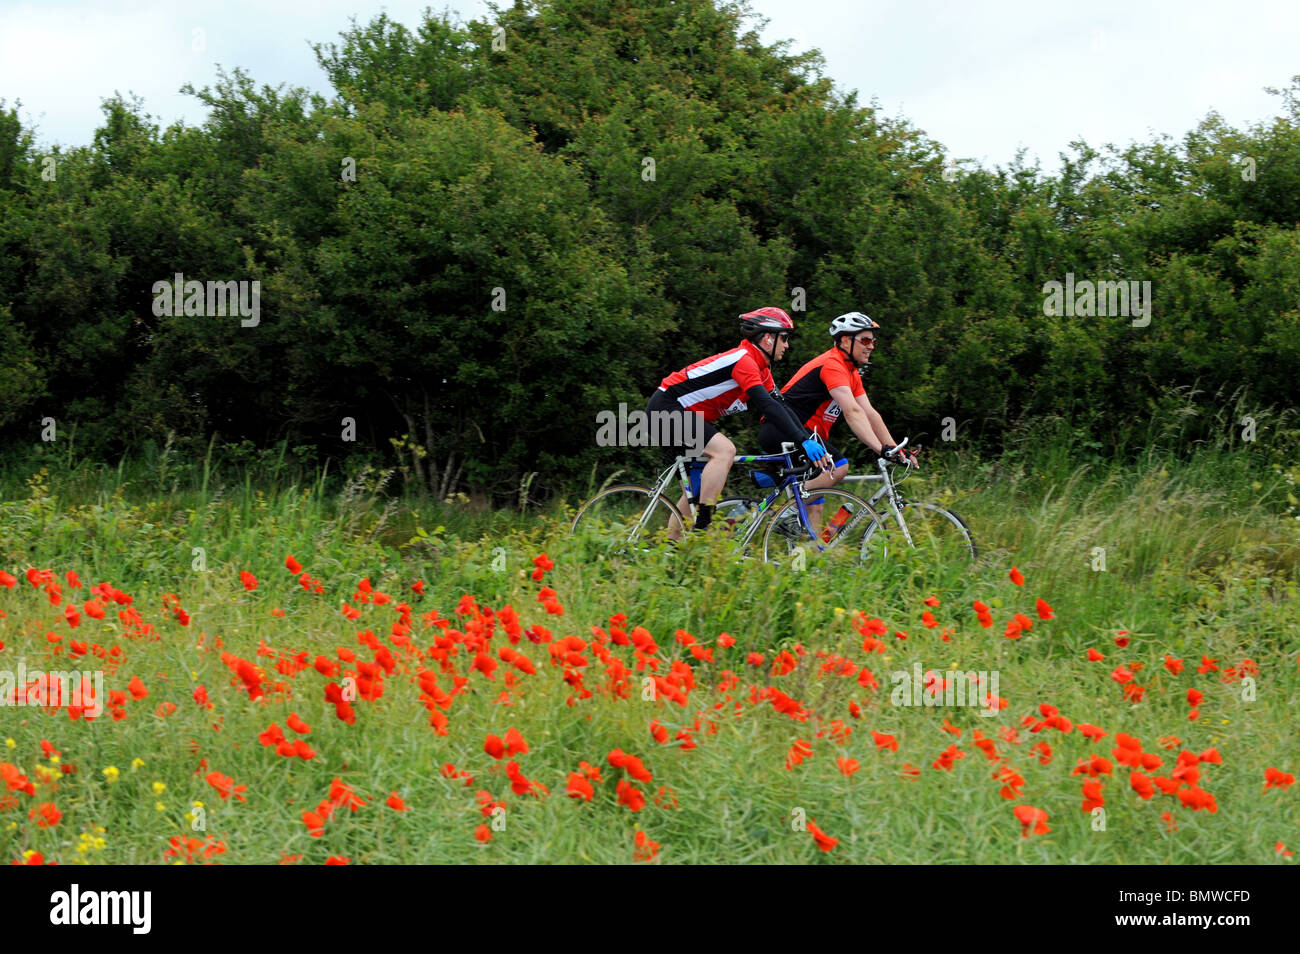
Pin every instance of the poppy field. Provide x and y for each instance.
(331, 683)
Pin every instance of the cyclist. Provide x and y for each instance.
(830, 387)
(727, 383)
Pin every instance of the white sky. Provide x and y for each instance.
(981, 78)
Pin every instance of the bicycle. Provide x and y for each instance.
(926, 525)
(633, 517)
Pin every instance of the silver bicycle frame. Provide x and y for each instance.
(888, 490)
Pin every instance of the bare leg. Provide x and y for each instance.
(719, 454)
(820, 482)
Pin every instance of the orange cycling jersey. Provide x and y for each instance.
(808, 393)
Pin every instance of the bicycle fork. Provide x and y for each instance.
(898, 505)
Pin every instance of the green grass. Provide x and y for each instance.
(1200, 558)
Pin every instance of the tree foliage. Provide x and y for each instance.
(493, 230)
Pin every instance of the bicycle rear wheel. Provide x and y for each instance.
(843, 518)
(937, 533)
(627, 518)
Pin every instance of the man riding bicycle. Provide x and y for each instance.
(830, 387)
(727, 383)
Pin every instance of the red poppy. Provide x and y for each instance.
(644, 849)
(1142, 785)
(630, 795)
(394, 801)
(1197, 798)
(292, 565)
(514, 743)
(948, 757)
(225, 786)
(1275, 778)
(1031, 818)
(1016, 576)
(801, 750)
(579, 787)
(884, 741)
(49, 813)
(824, 841)
(1092, 797)
(342, 795)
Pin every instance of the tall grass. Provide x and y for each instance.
(1200, 557)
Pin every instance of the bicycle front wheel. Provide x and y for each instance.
(628, 518)
(938, 533)
(842, 520)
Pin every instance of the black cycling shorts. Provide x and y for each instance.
(672, 430)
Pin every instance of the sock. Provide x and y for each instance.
(704, 516)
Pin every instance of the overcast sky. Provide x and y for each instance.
(983, 79)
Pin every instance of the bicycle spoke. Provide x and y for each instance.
(937, 535)
(627, 519)
(840, 519)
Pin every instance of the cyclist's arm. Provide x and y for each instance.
(878, 427)
(858, 419)
(876, 422)
(779, 413)
(787, 423)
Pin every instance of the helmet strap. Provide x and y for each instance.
(848, 355)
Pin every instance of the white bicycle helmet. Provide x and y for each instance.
(852, 323)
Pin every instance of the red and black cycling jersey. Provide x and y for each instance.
(808, 393)
(719, 385)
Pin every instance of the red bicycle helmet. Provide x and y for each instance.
(775, 320)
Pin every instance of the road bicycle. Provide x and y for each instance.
(892, 522)
(632, 518)
(902, 524)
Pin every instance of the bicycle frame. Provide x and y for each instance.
(790, 483)
(896, 504)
